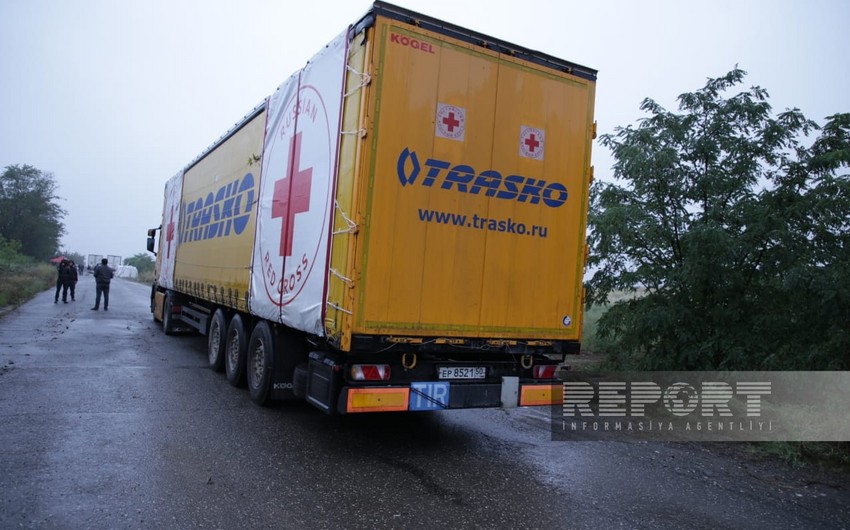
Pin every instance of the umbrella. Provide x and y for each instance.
(58, 259)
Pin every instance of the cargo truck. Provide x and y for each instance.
(400, 226)
(92, 260)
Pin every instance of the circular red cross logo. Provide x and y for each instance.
(297, 182)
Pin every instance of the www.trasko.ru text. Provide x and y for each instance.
(476, 222)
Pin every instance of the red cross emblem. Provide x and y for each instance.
(169, 232)
(531, 142)
(291, 195)
(451, 121)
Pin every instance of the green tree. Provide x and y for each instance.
(730, 233)
(142, 262)
(76, 257)
(29, 212)
(10, 254)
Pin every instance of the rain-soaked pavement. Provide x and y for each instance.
(108, 423)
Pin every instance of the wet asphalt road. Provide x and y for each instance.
(108, 423)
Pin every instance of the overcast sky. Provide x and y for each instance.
(115, 96)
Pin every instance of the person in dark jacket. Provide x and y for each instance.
(63, 281)
(58, 282)
(102, 276)
(74, 278)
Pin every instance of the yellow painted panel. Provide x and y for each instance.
(343, 243)
(467, 232)
(218, 218)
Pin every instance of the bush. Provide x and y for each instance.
(21, 282)
(145, 277)
(594, 342)
(738, 233)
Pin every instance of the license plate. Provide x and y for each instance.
(461, 372)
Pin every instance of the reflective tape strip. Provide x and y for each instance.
(377, 399)
(536, 395)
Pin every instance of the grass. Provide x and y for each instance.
(829, 455)
(20, 283)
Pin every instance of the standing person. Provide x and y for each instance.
(58, 282)
(102, 276)
(63, 281)
(75, 276)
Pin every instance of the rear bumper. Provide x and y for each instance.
(444, 395)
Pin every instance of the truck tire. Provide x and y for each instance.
(167, 315)
(153, 303)
(216, 340)
(259, 366)
(236, 351)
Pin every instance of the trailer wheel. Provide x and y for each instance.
(153, 303)
(167, 315)
(236, 351)
(259, 367)
(216, 340)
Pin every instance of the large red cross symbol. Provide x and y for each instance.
(291, 195)
(451, 122)
(532, 142)
(169, 232)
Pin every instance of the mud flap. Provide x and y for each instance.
(282, 384)
(289, 352)
(323, 382)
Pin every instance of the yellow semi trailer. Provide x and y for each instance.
(400, 226)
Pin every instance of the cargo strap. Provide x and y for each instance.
(348, 281)
(338, 308)
(352, 226)
(365, 79)
(359, 132)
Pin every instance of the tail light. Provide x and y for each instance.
(370, 372)
(545, 371)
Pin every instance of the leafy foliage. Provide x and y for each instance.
(143, 263)
(29, 212)
(76, 257)
(20, 276)
(735, 233)
(10, 254)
